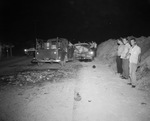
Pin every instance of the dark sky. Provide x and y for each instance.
(81, 20)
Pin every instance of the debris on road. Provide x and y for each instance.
(34, 76)
(93, 66)
(77, 97)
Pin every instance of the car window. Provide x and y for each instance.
(84, 45)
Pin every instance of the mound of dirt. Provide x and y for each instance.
(107, 52)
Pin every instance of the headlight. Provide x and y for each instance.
(91, 52)
(25, 50)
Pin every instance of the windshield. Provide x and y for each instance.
(84, 45)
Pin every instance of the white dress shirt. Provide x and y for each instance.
(135, 51)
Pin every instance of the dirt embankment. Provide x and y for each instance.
(107, 51)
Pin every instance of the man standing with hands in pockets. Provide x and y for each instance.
(134, 60)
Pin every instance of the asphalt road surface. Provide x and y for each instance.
(93, 94)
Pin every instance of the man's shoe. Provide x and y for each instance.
(133, 86)
(123, 77)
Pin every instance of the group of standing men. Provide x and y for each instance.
(128, 59)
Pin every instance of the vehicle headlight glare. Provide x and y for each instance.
(91, 52)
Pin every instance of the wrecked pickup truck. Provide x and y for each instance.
(50, 50)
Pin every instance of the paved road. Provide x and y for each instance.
(106, 97)
(10, 64)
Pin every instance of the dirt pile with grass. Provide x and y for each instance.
(107, 52)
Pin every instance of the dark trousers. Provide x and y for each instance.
(119, 64)
(125, 67)
(63, 54)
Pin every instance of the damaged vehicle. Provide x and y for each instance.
(51, 50)
(83, 51)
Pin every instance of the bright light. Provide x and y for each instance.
(25, 50)
(91, 52)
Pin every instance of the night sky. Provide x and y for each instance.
(77, 20)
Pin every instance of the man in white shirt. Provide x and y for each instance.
(134, 60)
(125, 59)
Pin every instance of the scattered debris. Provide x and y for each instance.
(143, 103)
(77, 97)
(93, 66)
(35, 76)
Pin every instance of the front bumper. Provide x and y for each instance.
(83, 56)
(44, 60)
